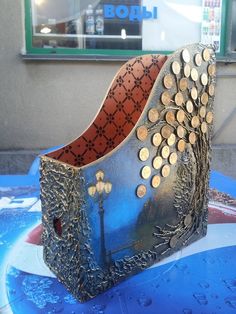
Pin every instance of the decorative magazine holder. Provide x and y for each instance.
(132, 189)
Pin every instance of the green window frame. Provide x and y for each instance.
(114, 54)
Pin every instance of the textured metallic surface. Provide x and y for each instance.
(183, 84)
(206, 54)
(165, 98)
(170, 117)
(202, 112)
(204, 127)
(168, 81)
(142, 133)
(189, 106)
(186, 55)
(171, 140)
(194, 93)
(70, 255)
(179, 99)
(187, 70)
(141, 190)
(165, 171)
(143, 154)
(156, 139)
(180, 131)
(212, 70)
(146, 172)
(195, 121)
(181, 145)
(198, 59)
(165, 152)
(204, 98)
(209, 117)
(204, 79)
(156, 180)
(171, 204)
(192, 138)
(173, 158)
(180, 116)
(166, 131)
(176, 67)
(194, 74)
(157, 162)
(153, 115)
(211, 90)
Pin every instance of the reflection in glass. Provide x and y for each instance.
(233, 36)
(81, 24)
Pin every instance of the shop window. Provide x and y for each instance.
(119, 28)
(232, 28)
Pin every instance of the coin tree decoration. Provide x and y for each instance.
(180, 122)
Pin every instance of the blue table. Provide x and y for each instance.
(199, 279)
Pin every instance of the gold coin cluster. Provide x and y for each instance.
(175, 132)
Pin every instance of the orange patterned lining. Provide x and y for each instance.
(120, 111)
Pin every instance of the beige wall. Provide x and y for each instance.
(49, 103)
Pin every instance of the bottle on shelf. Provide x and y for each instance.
(89, 21)
(99, 21)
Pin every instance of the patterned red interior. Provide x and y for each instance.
(121, 110)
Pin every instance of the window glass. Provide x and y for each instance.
(85, 25)
(233, 29)
(211, 22)
(124, 25)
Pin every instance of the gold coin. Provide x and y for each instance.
(204, 98)
(187, 70)
(180, 116)
(170, 117)
(189, 106)
(183, 84)
(156, 180)
(194, 74)
(165, 171)
(168, 81)
(166, 131)
(181, 145)
(206, 54)
(157, 162)
(156, 139)
(211, 90)
(211, 70)
(153, 115)
(142, 133)
(192, 138)
(173, 241)
(198, 59)
(204, 79)
(146, 172)
(141, 190)
(209, 117)
(180, 131)
(176, 67)
(195, 122)
(171, 139)
(173, 158)
(202, 112)
(179, 99)
(143, 154)
(188, 220)
(194, 93)
(204, 127)
(165, 152)
(165, 98)
(186, 55)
